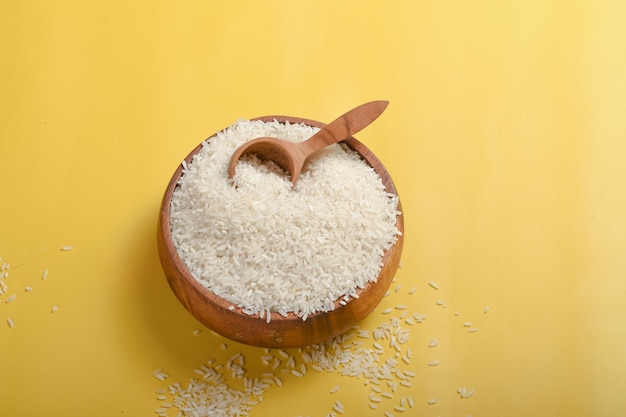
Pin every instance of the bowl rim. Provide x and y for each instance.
(167, 247)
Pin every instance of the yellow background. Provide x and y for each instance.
(505, 136)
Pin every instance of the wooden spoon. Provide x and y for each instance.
(291, 156)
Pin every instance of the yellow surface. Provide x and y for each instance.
(506, 137)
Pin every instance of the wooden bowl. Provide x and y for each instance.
(284, 332)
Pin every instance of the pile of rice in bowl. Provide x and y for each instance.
(266, 246)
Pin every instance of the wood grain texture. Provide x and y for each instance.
(285, 332)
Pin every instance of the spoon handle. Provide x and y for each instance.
(345, 126)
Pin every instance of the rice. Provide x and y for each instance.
(464, 392)
(216, 394)
(264, 246)
(369, 362)
(159, 374)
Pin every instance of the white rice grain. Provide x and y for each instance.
(338, 407)
(279, 239)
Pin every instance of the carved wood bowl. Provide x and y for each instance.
(283, 332)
